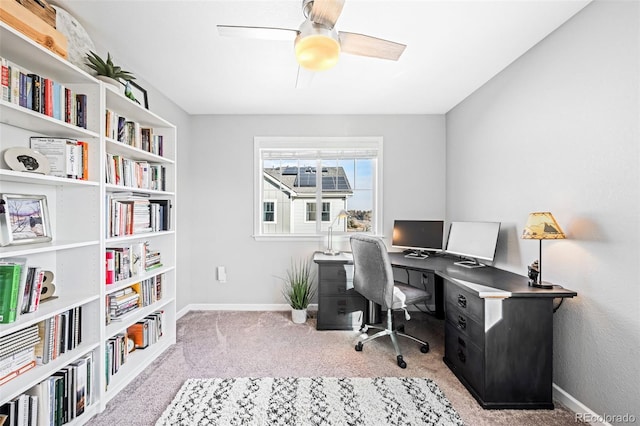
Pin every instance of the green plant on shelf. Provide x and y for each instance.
(108, 68)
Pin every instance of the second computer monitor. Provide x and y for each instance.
(419, 236)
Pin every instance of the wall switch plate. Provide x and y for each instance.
(222, 274)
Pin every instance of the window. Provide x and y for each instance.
(295, 178)
(311, 212)
(269, 211)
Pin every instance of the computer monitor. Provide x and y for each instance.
(474, 241)
(418, 236)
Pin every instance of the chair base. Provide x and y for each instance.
(393, 333)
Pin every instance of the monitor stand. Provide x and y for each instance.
(469, 264)
(416, 254)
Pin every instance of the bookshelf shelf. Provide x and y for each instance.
(78, 213)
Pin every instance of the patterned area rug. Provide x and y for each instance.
(310, 401)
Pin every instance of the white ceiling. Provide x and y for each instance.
(453, 48)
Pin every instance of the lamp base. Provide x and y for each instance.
(331, 252)
(541, 285)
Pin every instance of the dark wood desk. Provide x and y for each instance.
(498, 329)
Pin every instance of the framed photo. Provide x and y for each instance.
(140, 94)
(24, 219)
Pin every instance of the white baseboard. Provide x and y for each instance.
(239, 307)
(583, 413)
(559, 394)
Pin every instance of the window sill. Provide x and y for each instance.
(320, 238)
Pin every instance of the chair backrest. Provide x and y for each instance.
(372, 272)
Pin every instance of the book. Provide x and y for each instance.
(9, 291)
(81, 110)
(4, 80)
(110, 266)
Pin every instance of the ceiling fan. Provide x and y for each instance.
(317, 43)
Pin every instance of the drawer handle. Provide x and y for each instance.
(462, 322)
(461, 356)
(462, 342)
(342, 311)
(462, 301)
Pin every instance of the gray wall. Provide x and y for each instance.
(558, 130)
(220, 204)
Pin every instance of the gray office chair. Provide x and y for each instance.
(373, 279)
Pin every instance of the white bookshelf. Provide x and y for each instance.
(78, 215)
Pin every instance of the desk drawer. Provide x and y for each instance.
(335, 280)
(465, 301)
(340, 312)
(465, 356)
(465, 324)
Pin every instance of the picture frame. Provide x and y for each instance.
(24, 219)
(140, 94)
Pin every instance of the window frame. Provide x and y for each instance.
(275, 211)
(317, 147)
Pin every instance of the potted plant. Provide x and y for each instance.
(298, 289)
(107, 71)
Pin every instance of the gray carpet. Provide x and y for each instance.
(267, 344)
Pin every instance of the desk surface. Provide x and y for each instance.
(494, 278)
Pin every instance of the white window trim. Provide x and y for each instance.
(311, 143)
(275, 211)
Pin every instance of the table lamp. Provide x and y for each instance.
(542, 226)
(330, 251)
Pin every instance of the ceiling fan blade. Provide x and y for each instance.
(304, 78)
(264, 33)
(326, 12)
(364, 45)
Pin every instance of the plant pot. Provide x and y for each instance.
(111, 82)
(299, 316)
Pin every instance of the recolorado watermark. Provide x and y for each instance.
(605, 418)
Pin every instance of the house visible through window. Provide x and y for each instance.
(298, 177)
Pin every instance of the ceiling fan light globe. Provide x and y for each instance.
(317, 47)
(317, 52)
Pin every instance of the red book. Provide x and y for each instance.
(110, 267)
(48, 97)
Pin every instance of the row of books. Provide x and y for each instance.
(135, 214)
(59, 334)
(20, 288)
(129, 261)
(138, 336)
(17, 353)
(55, 401)
(42, 94)
(68, 158)
(134, 174)
(131, 133)
(138, 295)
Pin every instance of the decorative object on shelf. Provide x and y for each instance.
(24, 219)
(33, 26)
(138, 92)
(298, 289)
(26, 160)
(330, 251)
(48, 288)
(108, 69)
(78, 40)
(541, 226)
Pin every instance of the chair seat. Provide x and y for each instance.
(412, 294)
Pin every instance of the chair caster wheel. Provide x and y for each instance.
(359, 347)
(364, 329)
(424, 348)
(401, 362)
